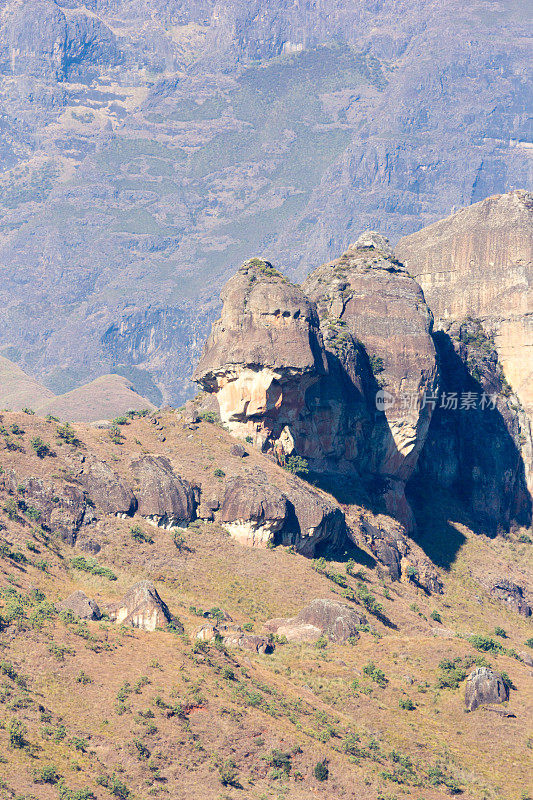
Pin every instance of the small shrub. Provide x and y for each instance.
(209, 416)
(529, 642)
(377, 675)
(219, 473)
(48, 774)
(321, 771)
(280, 761)
(249, 439)
(322, 642)
(28, 411)
(138, 535)
(500, 632)
(40, 448)
(486, 644)
(228, 773)
(228, 674)
(17, 734)
(406, 704)
(65, 433)
(436, 616)
(83, 678)
(296, 465)
(90, 565)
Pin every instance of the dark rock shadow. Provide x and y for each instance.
(471, 469)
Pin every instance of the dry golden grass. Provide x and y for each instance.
(301, 699)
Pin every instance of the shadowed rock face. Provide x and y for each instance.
(512, 595)
(336, 620)
(163, 498)
(484, 686)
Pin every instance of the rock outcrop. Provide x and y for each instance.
(304, 372)
(483, 686)
(141, 607)
(478, 263)
(327, 617)
(512, 595)
(252, 512)
(262, 354)
(107, 489)
(387, 541)
(163, 498)
(234, 636)
(81, 606)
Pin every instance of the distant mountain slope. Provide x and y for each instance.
(104, 398)
(18, 390)
(147, 148)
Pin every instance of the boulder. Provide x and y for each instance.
(164, 499)
(388, 542)
(234, 636)
(512, 595)
(81, 605)
(141, 607)
(337, 621)
(252, 512)
(106, 489)
(62, 507)
(484, 686)
(313, 519)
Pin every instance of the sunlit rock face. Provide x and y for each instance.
(263, 353)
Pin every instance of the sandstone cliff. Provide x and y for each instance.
(477, 266)
(334, 372)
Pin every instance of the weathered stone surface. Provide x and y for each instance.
(164, 499)
(238, 451)
(367, 295)
(107, 489)
(484, 686)
(313, 519)
(81, 605)
(263, 352)
(234, 636)
(388, 542)
(141, 607)
(512, 595)
(336, 620)
(479, 263)
(252, 512)
(62, 506)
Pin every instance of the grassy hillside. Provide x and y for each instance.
(92, 709)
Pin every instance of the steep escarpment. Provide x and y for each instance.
(346, 377)
(476, 269)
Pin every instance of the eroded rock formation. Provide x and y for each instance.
(141, 607)
(320, 617)
(81, 606)
(164, 499)
(297, 371)
(484, 686)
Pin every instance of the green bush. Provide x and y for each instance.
(90, 565)
(500, 632)
(436, 616)
(48, 774)
(377, 675)
(486, 644)
(138, 535)
(219, 473)
(321, 771)
(296, 465)
(40, 448)
(17, 734)
(406, 704)
(66, 433)
(228, 773)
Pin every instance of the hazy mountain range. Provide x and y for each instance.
(147, 149)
